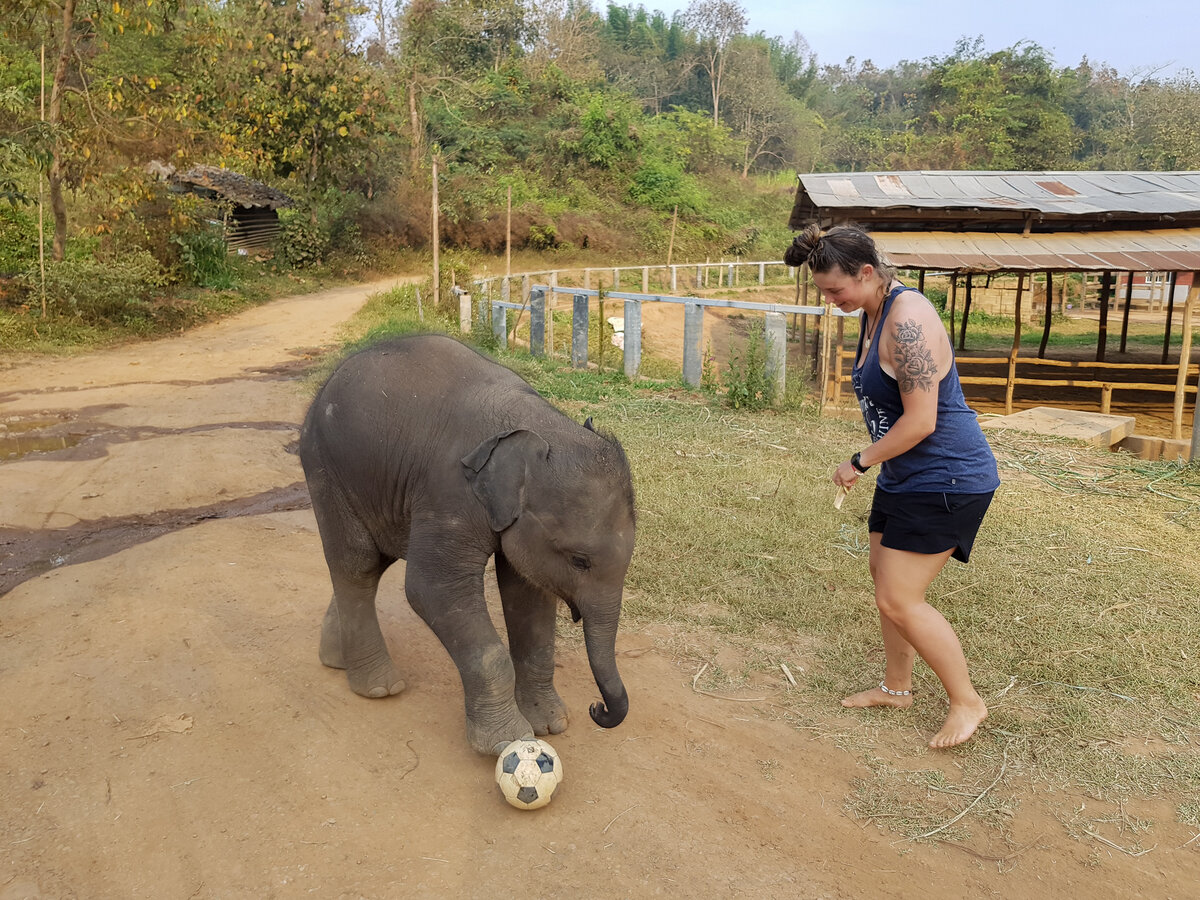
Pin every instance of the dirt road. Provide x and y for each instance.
(167, 731)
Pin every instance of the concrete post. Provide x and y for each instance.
(775, 333)
(550, 298)
(674, 279)
(505, 291)
(693, 331)
(633, 338)
(698, 282)
(464, 312)
(645, 279)
(587, 279)
(500, 325)
(762, 273)
(579, 332)
(537, 322)
(616, 279)
(729, 277)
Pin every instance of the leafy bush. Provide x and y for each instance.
(303, 239)
(747, 385)
(116, 289)
(17, 250)
(205, 260)
(663, 186)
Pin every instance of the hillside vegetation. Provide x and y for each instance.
(606, 124)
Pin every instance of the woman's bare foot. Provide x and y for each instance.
(964, 718)
(876, 697)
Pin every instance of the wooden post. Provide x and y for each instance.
(600, 341)
(1106, 290)
(826, 337)
(41, 201)
(962, 334)
(921, 281)
(836, 357)
(1128, 300)
(508, 236)
(1106, 392)
(437, 271)
(1016, 347)
(1185, 353)
(1170, 315)
(671, 245)
(1049, 315)
(953, 301)
(579, 332)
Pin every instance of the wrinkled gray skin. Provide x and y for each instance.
(423, 450)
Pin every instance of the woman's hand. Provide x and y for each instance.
(845, 475)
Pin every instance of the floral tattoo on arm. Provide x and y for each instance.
(915, 366)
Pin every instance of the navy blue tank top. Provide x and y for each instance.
(955, 459)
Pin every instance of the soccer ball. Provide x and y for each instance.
(527, 773)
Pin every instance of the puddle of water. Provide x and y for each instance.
(14, 446)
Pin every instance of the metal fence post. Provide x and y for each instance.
(775, 333)
(693, 330)
(633, 338)
(537, 322)
(500, 324)
(579, 332)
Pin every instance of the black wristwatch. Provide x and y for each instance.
(856, 463)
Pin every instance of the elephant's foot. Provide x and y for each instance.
(375, 679)
(544, 709)
(331, 640)
(489, 737)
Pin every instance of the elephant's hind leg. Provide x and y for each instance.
(350, 634)
(529, 614)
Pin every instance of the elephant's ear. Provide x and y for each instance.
(588, 424)
(498, 470)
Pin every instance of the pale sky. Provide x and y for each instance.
(1133, 37)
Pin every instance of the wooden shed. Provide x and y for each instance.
(253, 221)
(1050, 223)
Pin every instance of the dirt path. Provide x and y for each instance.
(166, 729)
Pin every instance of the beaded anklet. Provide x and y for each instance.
(887, 690)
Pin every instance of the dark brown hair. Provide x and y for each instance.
(845, 246)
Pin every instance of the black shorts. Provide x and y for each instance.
(928, 522)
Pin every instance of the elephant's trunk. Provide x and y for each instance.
(600, 636)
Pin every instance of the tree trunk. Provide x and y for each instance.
(58, 204)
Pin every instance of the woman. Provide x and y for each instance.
(937, 473)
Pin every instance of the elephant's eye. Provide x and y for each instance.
(582, 563)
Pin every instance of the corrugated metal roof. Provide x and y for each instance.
(1160, 250)
(1092, 199)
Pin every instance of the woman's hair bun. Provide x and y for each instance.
(803, 246)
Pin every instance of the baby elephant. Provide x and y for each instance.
(421, 449)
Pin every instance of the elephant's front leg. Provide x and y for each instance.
(451, 603)
(529, 614)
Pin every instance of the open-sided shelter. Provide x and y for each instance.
(967, 223)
